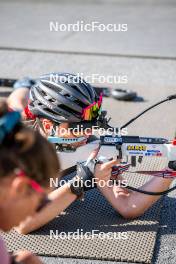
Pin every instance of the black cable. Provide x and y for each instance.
(150, 193)
(146, 110)
(170, 97)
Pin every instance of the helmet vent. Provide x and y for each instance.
(67, 95)
(52, 100)
(79, 103)
(66, 108)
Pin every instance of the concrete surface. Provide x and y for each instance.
(26, 25)
(146, 54)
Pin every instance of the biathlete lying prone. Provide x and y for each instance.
(53, 105)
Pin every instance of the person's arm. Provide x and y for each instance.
(18, 99)
(60, 199)
(133, 204)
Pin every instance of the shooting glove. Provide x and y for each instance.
(84, 179)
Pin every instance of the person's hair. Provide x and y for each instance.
(26, 149)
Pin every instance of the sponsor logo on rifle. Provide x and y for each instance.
(137, 147)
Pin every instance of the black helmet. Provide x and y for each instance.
(61, 97)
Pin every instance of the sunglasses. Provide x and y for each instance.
(36, 187)
(93, 111)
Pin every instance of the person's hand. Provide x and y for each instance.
(103, 171)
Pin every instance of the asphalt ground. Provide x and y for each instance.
(146, 54)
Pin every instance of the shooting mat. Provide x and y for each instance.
(96, 214)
